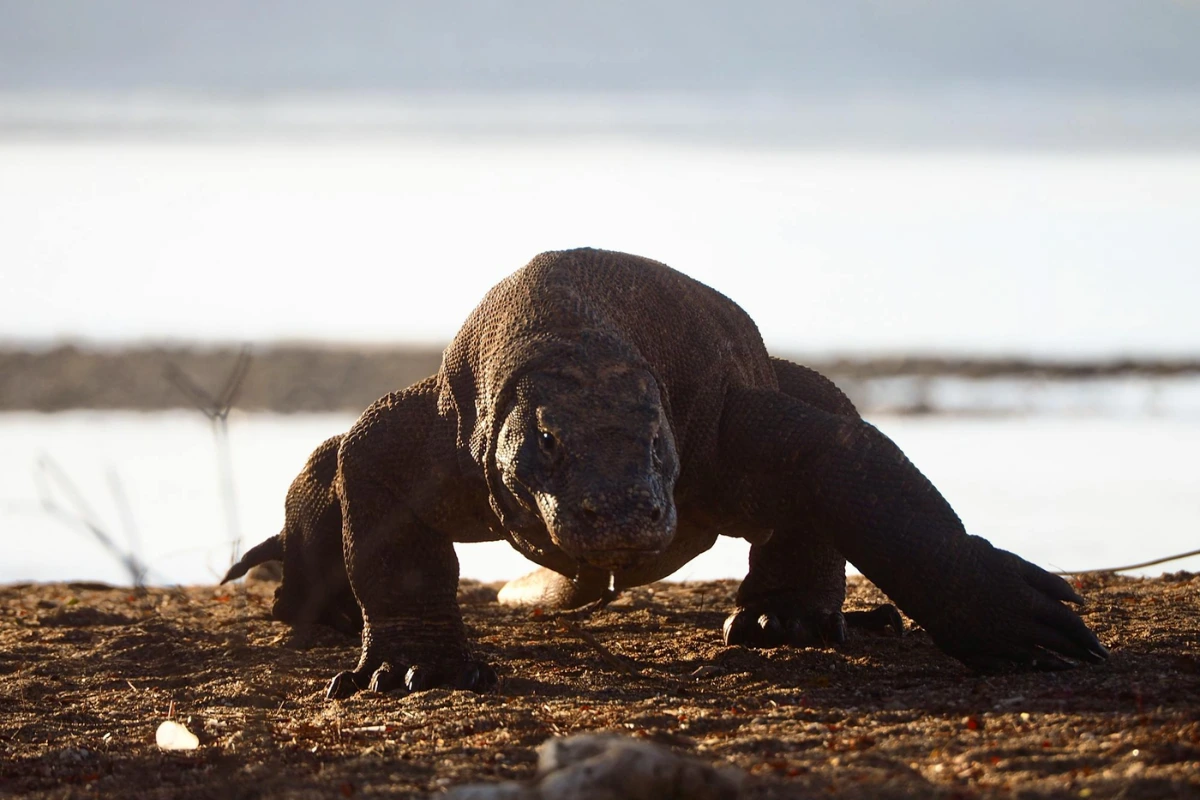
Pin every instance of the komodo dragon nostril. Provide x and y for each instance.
(656, 514)
(590, 512)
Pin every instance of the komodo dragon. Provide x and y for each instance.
(610, 417)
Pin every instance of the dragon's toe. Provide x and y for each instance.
(475, 676)
(343, 685)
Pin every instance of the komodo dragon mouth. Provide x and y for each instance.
(589, 453)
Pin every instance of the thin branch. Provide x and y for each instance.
(201, 400)
(48, 476)
(613, 660)
(1152, 563)
(217, 409)
(234, 385)
(125, 510)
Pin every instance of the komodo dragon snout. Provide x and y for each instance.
(591, 454)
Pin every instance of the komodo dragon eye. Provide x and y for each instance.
(547, 441)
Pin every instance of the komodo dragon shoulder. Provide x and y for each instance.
(610, 417)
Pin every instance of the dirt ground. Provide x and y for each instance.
(89, 672)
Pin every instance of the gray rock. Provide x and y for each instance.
(610, 767)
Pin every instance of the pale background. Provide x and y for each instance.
(908, 177)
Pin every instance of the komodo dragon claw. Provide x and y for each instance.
(474, 676)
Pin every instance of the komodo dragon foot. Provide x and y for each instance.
(794, 592)
(475, 676)
(384, 667)
(763, 627)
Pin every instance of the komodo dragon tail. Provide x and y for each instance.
(270, 550)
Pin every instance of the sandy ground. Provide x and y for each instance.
(89, 672)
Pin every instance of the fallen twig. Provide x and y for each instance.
(610, 658)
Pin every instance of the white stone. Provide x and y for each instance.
(173, 736)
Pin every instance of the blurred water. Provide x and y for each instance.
(1064, 492)
(1127, 396)
(394, 238)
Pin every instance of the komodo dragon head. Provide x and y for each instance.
(587, 449)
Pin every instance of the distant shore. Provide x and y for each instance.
(315, 378)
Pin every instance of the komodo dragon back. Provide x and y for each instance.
(583, 304)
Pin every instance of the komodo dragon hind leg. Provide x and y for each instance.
(783, 459)
(793, 595)
(796, 586)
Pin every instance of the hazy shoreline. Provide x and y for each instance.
(292, 378)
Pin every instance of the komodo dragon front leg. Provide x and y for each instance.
(796, 586)
(782, 459)
(402, 492)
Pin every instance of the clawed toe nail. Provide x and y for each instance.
(468, 677)
(382, 679)
(895, 620)
(418, 679)
(1049, 662)
(735, 629)
(833, 629)
(796, 633)
(342, 686)
(476, 677)
(771, 627)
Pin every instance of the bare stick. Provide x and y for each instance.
(125, 510)
(228, 487)
(201, 399)
(1152, 563)
(48, 476)
(613, 660)
(234, 385)
(217, 409)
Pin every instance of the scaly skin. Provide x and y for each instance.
(608, 415)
